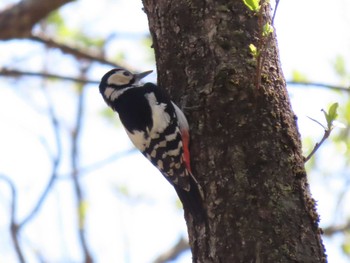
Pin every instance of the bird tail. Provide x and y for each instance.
(192, 201)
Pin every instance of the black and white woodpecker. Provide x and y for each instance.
(158, 128)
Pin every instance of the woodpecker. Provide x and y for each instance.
(158, 128)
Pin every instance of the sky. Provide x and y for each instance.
(139, 225)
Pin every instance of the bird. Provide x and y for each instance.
(158, 129)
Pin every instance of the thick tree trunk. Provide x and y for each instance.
(245, 147)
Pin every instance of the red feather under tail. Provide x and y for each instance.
(185, 143)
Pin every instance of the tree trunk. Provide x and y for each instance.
(245, 149)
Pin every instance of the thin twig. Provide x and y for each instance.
(319, 85)
(275, 11)
(326, 134)
(55, 162)
(170, 255)
(75, 51)
(14, 228)
(328, 231)
(17, 73)
(341, 196)
(94, 166)
(319, 123)
(75, 175)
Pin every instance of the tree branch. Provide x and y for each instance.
(335, 229)
(275, 11)
(56, 160)
(14, 228)
(81, 208)
(181, 246)
(18, 20)
(19, 73)
(86, 54)
(318, 145)
(319, 85)
(94, 166)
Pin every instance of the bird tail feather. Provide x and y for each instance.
(192, 200)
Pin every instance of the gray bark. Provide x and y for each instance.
(245, 149)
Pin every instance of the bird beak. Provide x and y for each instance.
(140, 76)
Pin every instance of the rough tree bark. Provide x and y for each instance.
(246, 150)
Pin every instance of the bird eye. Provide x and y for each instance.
(127, 74)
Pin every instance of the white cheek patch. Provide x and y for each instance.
(114, 94)
(119, 79)
(108, 92)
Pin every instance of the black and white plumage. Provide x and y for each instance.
(157, 127)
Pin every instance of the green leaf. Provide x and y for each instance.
(331, 115)
(253, 50)
(298, 76)
(123, 190)
(346, 247)
(83, 207)
(267, 30)
(340, 67)
(55, 19)
(332, 112)
(252, 4)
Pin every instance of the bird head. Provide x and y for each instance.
(120, 78)
(115, 81)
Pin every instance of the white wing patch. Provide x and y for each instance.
(139, 140)
(161, 120)
(174, 152)
(171, 137)
(160, 117)
(181, 118)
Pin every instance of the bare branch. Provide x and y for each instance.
(75, 173)
(275, 11)
(326, 134)
(319, 85)
(18, 73)
(14, 228)
(94, 166)
(18, 20)
(181, 246)
(78, 53)
(336, 229)
(55, 162)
